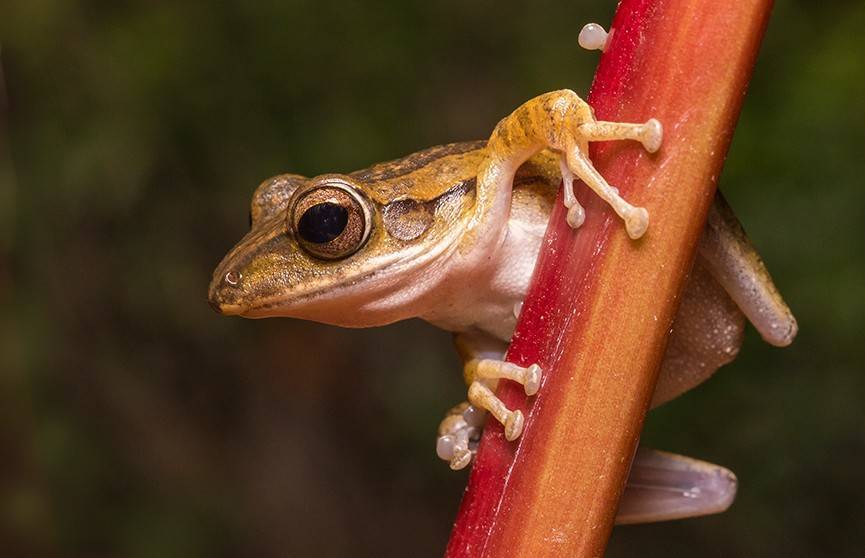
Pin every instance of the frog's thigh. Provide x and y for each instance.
(707, 333)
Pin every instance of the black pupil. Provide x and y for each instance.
(323, 222)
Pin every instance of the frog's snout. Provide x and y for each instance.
(220, 297)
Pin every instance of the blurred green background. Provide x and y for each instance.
(136, 422)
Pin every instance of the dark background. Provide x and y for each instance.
(136, 422)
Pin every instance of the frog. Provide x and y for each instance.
(451, 234)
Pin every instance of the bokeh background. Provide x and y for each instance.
(136, 422)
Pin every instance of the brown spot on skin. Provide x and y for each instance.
(407, 219)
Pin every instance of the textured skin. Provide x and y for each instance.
(707, 333)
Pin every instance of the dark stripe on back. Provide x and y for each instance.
(415, 161)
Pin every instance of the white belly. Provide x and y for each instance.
(487, 301)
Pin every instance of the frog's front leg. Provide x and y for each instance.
(562, 122)
(483, 375)
(483, 367)
(458, 435)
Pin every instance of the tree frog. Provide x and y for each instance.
(451, 235)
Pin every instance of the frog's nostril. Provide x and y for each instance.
(223, 300)
(233, 278)
(223, 293)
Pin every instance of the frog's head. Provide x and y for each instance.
(334, 250)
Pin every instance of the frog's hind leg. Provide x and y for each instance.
(727, 283)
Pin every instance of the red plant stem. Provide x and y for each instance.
(600, 307)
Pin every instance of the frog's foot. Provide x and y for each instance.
(481, 373)
(575, 161)
(458, 435)
(663, 486)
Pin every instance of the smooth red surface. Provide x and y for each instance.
(600, 307)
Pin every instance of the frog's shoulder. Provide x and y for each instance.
(424, 175)
(536, 185)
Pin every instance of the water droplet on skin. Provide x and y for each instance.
(233, 278)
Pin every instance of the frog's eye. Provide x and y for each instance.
(329, 221)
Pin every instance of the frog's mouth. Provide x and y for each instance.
(266, 275)
(261, 308)
(214, 299)
(226, 309)
(348, 304)
(365, 293)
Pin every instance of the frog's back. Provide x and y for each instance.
(433, 172)
(424, 175)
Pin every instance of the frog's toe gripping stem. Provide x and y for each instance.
(493, 369)
(652, 135)
(481, 372)
(482, 396)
